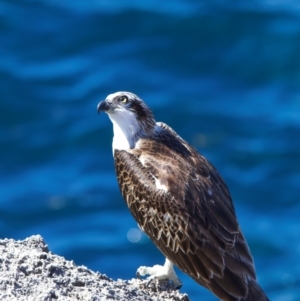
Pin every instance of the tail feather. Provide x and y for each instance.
(255, 293)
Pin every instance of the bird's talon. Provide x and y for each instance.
(149, 281)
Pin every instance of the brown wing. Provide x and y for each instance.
(193, 223)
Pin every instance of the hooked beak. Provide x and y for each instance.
(103, 106)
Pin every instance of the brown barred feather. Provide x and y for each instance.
(193, 223)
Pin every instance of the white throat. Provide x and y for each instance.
(127, 130)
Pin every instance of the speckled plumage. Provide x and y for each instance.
(192, 221)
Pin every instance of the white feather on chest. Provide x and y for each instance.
(126, 129)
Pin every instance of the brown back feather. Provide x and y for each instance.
(194, 223)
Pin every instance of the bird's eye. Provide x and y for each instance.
(123, 99)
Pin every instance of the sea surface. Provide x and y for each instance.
(224, 74)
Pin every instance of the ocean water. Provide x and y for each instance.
(225, 75)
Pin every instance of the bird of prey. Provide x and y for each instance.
(180, 201)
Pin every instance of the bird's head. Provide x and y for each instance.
(129, 114)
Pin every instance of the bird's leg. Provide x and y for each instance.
(159, 272)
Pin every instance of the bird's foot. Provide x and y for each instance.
(160, 273)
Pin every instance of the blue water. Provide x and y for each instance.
(224, 75)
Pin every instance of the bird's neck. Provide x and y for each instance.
(128, 130)
(126, 135)
(124, 138)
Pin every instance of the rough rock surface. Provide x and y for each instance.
(29, 271)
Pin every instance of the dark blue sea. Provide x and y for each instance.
(224, 74)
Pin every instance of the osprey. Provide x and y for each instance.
(180, 201)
